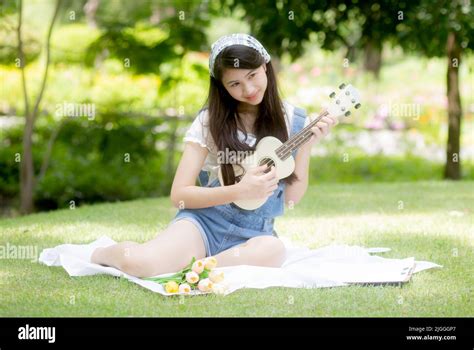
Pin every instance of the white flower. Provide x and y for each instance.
(205, 285)
(210, 263)
(198, 266)
(192, 277)
(216, 276)
(219, 289)
(184, 288)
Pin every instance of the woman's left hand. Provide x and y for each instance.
(322, 128)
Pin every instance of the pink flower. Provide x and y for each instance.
(303, 79)
(296, 67)
(315, 72)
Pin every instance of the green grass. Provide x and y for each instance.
(411, 218)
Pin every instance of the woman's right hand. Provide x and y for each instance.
(255, 184)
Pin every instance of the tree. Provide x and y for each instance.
(27, 172)
(433, 28)
(454, 29)
(356, 25)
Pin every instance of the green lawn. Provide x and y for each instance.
(414, 219)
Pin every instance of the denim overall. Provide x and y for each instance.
(225, 226)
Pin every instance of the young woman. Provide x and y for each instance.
(243, 106)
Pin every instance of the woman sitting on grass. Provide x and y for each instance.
(243, 107)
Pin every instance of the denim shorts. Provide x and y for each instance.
(225, 226)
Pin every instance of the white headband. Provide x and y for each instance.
(235, 39)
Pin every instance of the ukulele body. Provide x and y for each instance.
(265, 152)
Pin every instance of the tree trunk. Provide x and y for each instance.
(26, 161)
(453, 160)
(90, 11)
(373, 58)
(27, 171)
(27, 177)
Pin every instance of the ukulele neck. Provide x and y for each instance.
(298, 140)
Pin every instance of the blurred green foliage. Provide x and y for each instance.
(378, 168)
(91, 162)
(9, 43)
(142, 62)
(70, 44)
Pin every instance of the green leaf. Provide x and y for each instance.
(191, 263)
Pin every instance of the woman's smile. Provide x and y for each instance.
(253, 97)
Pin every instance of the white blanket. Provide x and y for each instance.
(330, 266)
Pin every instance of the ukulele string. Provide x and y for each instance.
(305, 133)
(302, 137)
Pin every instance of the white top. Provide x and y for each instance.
(199, 132)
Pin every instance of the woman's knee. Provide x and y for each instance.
(132, 266)
(271, 250)
(134, 263)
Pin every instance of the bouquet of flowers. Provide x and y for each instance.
(198, 274)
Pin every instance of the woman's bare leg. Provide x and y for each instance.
(266, 251)
(112, 255)
(170, 251)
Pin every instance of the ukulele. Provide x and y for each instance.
(273, 152)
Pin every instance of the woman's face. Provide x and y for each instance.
(246, 85)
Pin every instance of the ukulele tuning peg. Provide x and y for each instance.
(332, 95)
(342, 86)
(357, 106)
(347, 113)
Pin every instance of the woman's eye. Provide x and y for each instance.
(252, 75)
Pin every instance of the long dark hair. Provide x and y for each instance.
(223, 116)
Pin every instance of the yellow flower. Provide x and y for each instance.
(171, 287)
(205, 285)
(198, 266)
(216, 276)
(184, 288)
(210, 263)
(192, 277)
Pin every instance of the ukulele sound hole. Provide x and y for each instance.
(268, 161)
(239, 173)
